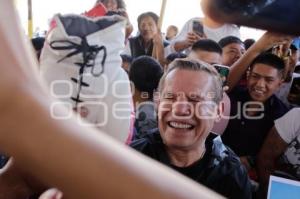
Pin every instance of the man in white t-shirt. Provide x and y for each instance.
(281, 150)
(212, 30)
(288, 128)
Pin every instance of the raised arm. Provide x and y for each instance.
(190, 39)
(186, 37)
(267, 41)
(158, 48)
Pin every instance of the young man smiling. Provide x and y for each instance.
(190, 96)
(233, 48)
(254, 108)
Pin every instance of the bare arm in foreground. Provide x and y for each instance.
(80, 162)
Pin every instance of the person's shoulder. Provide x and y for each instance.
(229, 171)
(295, 112)
(235, 172)
(134, 38)
(277, 107)
(166, 43)
(224, 155)
(195, 18)
(232, 162)
(231, 30)
(291, 115)
(221, 155)
(236, 175)
(233, 26)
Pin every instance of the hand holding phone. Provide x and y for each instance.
(198, 28)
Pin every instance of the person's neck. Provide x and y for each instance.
(208, 22)
(146, 43)
(139, 98)
(182, 158)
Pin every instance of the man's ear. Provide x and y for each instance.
(156, 100)
(220, 111)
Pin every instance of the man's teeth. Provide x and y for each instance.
(180, 125)
(259, 91)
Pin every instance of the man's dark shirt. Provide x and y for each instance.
(243, 135)
(219, 169)
(138, 49)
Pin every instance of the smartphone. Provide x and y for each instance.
(273, 15)
(198, 28)
(223, 71)
(294, 94)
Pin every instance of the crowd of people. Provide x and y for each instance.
(117, 115)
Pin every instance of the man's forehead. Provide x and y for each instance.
(199, 95)
(182, 85)
(235, 46)
(208, 57)
(204, 53)
(198, 92)
(265, 70)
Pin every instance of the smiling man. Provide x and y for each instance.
(233, 48)
(254, 107)
(149, 41)
(190, 96)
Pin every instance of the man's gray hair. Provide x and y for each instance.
(196, 65)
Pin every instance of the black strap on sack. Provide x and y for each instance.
(89, 54)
